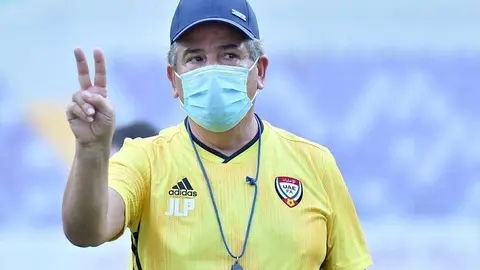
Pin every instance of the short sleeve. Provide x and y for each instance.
(129, 176)
(346, 249)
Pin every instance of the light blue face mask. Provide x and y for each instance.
(215, 96)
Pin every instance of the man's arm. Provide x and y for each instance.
(92, 213)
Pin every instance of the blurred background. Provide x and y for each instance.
(391, 87)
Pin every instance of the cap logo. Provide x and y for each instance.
(239, 14)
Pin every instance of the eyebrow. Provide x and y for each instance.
(191, 51)
(229, 46)
(222, 47)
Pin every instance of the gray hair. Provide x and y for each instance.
(254, 47)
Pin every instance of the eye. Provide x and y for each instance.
(231, 55)
(195, 59)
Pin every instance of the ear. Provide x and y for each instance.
(262, 66)
(173, 81)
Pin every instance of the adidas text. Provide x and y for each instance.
(186, 193)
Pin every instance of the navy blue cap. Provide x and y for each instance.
(237, 13)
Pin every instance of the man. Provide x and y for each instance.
(133, 130)
(222, 190)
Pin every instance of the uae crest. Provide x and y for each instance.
(289, 189)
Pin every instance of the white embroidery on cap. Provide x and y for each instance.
(239, 14)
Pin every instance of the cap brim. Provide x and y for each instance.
(230, 22)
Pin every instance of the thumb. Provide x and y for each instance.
(97, 90)
(100, 103)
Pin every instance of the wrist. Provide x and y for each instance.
(97, 146)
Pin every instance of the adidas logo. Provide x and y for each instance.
(183, 188)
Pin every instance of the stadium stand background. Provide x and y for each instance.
(391, 87)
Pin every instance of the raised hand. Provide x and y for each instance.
(90, 113)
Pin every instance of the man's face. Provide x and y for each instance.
(215, 44)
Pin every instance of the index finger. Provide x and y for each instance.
(100, 69)
(82, 68)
